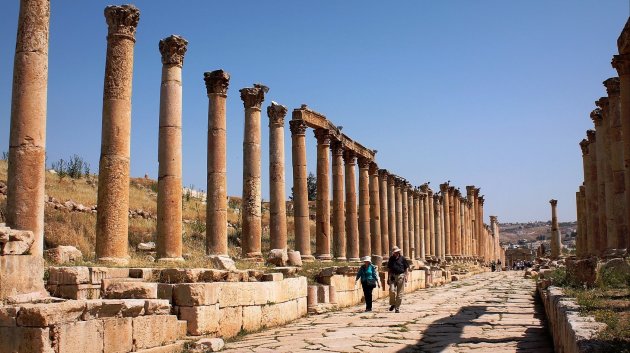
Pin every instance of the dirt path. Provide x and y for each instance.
(490, 312)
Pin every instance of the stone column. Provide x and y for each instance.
(27, 139)
(112, 218)
(300, 190)
(609, 241)
(375, 210)
(588, 226)
(441, 250)
(251, 202)
(556, 244)
(384, 176)
(169, 204)
(405, 221)
(217, 83)
(580, 250)
(432, 232)
(618, 205)
(446, 220)
(322, 217)
(601, 164)
(364, 207)
(339, 231)
(452, 214)
(484, 239)
(419, 225)
(399, 216)
(621, 63)
(277, 195)
(411, 212)
(392, 224)
(593, 196)
(470, 196)
(425, 231)
(352, 225)
(458, 224)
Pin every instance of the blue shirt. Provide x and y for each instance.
(366, 273)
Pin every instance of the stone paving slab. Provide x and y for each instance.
(490, 312)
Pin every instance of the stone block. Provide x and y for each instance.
(97, 309)
(323, 294)
(154, 330)
(15, 242)
(270, 277)
(278, 257)
(230, 321)
(252, 316)
(79, 337)
(133, 307)
(293, 288)
(256, 274)
(294, 258)
(222, 262)
(580, 272)
(97, 274)
(75, 291)
(130, 290)
(278, 314)
(287, 271)
(182, 328)
(208, 345)
(196, 294)
(117, 335)
(25, 339)
(233, 277)
(146, 274)
(302, 308)
(165, 291)
(8, 315)
(312, 296)
(68, 275)
(179, 275)
(63, 254)
(202, 320)
(242, 293)
(157, 307)
(21, 277)
(177, 347)
(42, 315)
(212, 275)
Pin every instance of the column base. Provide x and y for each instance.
(308, 258)
(340, 258)
(324, 257)
(114, 261)
(354, 259)
(254, 257)
(170, 259)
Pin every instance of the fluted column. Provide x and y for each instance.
(447, 221)
(392, 224)
(112, 218)
(277, 193)
(587, 189)
(352, 225)
(322, 217)
(364, 208)
(217, 83)
(339, 231)
(375, 211)
(399, 216)
(383, 177)
(27, 139)
(169, 203)
(556, 245)
(593, 196)
(618, 205)
(251, 202)
(300, 189)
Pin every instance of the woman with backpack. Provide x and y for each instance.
(369, 280)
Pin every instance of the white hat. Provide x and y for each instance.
(366, 258)
(395, 249)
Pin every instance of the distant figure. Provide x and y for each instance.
(369, 280)
(499, 265)
(493, 265)
(398, 268)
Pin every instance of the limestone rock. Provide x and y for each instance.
(287, 271)
(278, 257)
(208, 345)
(63, 254)
(130, 290)
(582, 271)
(15, 242)
(295, 259)
(149, 246)
(222, 262)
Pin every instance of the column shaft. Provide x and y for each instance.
(446, 219)
(364, 208)
(399, 217)
(593, 196)
(352, 225)
(300, 189)
(392, 224)
(411, 212)
(383, 177)
(277, 195)
(622, 64)
(375, 211)
(339, 231)
(322, 217)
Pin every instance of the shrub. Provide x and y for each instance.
(75, 167)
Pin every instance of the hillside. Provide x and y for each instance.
(532, 231)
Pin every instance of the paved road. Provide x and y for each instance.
(490, 312)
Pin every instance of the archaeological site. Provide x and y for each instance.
(273, 270)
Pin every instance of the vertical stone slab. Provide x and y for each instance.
(300, 189)
(352, 225)
(277, 196)
(339, 230)
(217, 83)
(252, 98)
(322, 203)
(375, 211)
(392, 224)
(364, 208)
(27, 137)
(169, 204)
(112, 218)
(384, 211)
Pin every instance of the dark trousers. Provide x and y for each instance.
(367, 294)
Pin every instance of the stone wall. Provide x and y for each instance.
(571, 332)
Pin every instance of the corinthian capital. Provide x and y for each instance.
(596, 116)
(602, 104)
(122, 20)
(217, 82)
(173, 48)
(621, 63)
(297, 127)
(276, 113)
(253, 96)
(553, 202)
(590, 134)
(623, 42)
(612, 86)
(322, 136)
(584, 146)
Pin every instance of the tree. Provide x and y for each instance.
(311, 187)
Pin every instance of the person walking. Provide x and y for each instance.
(398, 270)
(369, 280)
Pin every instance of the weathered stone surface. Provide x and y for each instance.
(222, 262)
(178, 275)
(619, 266)
(147, 274)
(154, 330)
(243, 293)
(25, 339)
(63, 254)
(68, 275)
(213, 275)
(287, 271)
(278, 257)
(42, 315)
(78, 337)
(582, 271)
(165, 291)
(130, 290)
(149, 246)
(157, 307)
(274, 276)
(133, 307)
(96, 309)
(207, 345)
(256, 274)
(8, 315)
(21, 277)
(117, 335)
(230, 321)
(201, 320)
(196, 294)
(98, 274)
(252, 316)
(15, 242)
(294, 258)
(75, 291)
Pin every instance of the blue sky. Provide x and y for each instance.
(491, 93)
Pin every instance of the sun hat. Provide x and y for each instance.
(366, 258)
(395, 249)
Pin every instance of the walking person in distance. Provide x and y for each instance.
(369, 280)
(398, 273)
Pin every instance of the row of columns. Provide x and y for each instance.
(603, 199)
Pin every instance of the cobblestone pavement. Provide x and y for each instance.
(491, 312)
